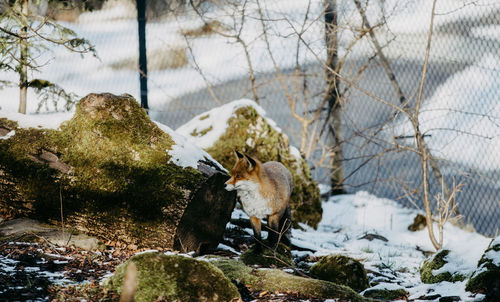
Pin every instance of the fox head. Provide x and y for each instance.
(244, 171)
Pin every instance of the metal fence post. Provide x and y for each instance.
(143, 62)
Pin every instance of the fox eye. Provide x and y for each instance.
(238, 176)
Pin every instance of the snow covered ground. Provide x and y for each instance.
(395, 263)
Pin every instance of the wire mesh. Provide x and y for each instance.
(196, 61)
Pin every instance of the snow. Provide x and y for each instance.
(185, 153)
(43, 120)
(462, 118)
(214, 123)
(493, 255)
(8, 135)
(227, 248)
(347, 218)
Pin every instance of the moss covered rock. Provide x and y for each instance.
(249, 131)
(281, 257)
(387, 292)
(429, 271)
(173, 277)
(118, 176)
(341, 270)
(272, 280)
(486, 278)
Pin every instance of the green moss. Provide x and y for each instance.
(175, 277)
(434, 263)
(118, 161)
(341, 270)
(250, 133)
(8, 124)
(272, 280)
(486, 278)
(281, 257)
(386, 294)
(202, 132)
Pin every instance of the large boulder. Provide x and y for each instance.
(341, 269)
(435, 269)
(171, 277)
(242, 125)
(117, 175)
(486, 278)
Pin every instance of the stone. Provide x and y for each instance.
(172, 277)
(275, 280)
(341, 270)
(118, 176)
(486, 278)
(435, 262)
(249, 131)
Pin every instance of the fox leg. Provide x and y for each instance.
(273, 237)
(256, 226)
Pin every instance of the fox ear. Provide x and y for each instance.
(238, 154)
(252, 163)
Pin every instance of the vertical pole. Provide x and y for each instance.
(143, 62)
(332, 94)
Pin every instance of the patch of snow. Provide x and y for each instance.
(347, 218)
(8, 135)
(444, 289)
(184, 153)
(146, 251)
(214, 123)
(295, 152)
(42, 120)
(495, 241)
(324, 188)
(494, 256)
(227, 248)
(455, 264)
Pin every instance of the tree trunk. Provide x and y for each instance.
(23, 62)
(332, 94)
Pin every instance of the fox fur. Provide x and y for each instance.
(264, 190)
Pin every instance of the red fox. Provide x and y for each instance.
(264, 190)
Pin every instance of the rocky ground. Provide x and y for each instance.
(41, 270)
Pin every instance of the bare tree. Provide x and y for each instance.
(24, 35)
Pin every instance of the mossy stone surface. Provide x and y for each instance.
(486, 278)
(341, 270)
(174, 277)
(250, 133)
(436, 262)
(269, 257)
(273, 280)
(386, 294)
(109, 164)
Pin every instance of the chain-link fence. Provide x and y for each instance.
(274, 52)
